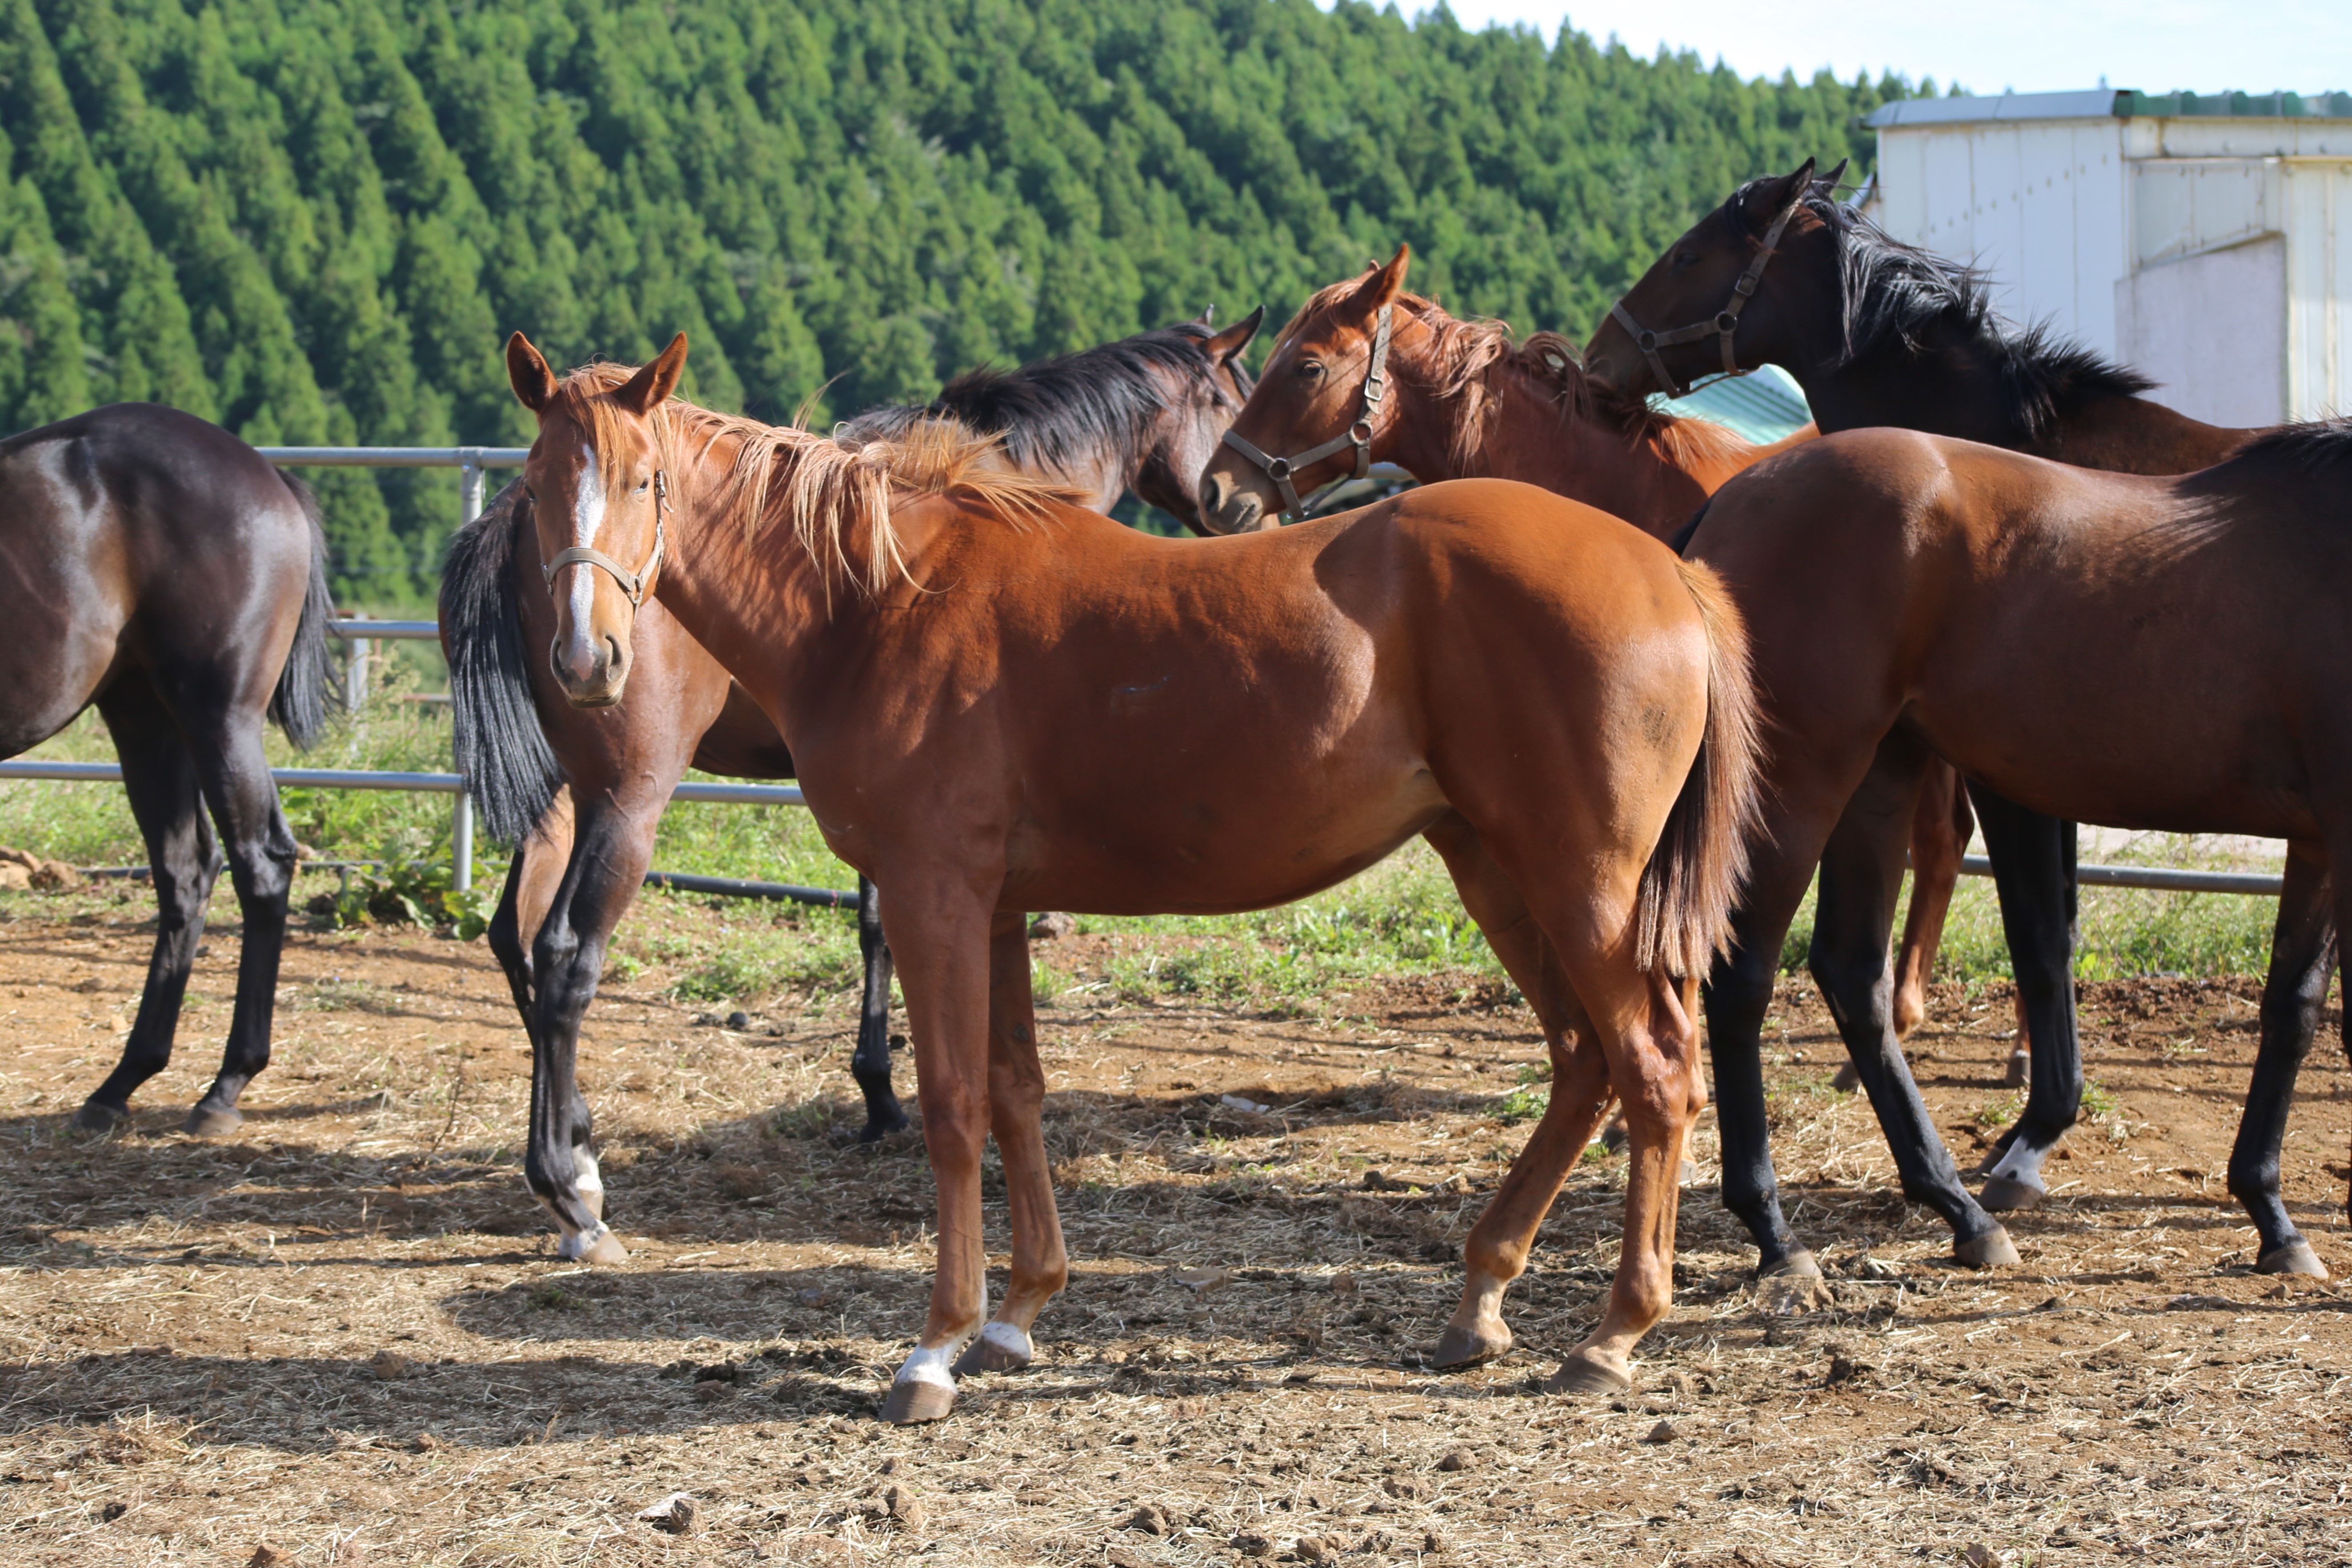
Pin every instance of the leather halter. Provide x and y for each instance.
(1358, 435)
(633, 583)
(1724, 327)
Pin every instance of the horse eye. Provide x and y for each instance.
(1684, 258)
(1311, 368)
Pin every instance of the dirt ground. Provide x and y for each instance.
(343, 1334)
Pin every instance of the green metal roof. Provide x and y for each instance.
(2103, 103)
(2236, 105)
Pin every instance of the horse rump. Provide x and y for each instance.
(309, 685)
(1683, 918)
(508, 767)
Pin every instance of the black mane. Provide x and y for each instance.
(1894, 295)
(2318, 448)
(1059, 414)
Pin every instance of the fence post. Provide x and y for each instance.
(355, 677)
(469, 490)
(461, 842)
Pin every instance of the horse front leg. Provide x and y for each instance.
(611, 844)
(940, 932)
(1861, 874)
(869, 1064)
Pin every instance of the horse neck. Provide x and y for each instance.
(2126, 434)
(1533, 435)
(1943, 386)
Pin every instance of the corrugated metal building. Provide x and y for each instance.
(2196, 237)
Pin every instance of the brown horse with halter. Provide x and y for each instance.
(161, 571)
(1880, 333)
(581, 792)
(1001, 702)
(1367, 373)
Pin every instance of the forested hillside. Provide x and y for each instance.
(315, 221)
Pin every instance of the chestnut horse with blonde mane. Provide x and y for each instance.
(1002, 703)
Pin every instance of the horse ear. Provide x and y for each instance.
(1830, 179)
(1236, 338)
(1386, 282)
(1767, 199)
(527, 373)
(1209, 316)
(644, 391)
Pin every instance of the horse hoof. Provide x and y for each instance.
(1001, 1347)
(912, 1403)
(1468, 1347)
(1585, 1372)
(604, 1249)
(1793, 1285)
(1993, 1249)
(98, 1117)
(878, 1128)
(2006, 1194)
(1613, 1137)
(213, 1120)
(2020, 1071)
(1848, 1079)
(2295, 1258)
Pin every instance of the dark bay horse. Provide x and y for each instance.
(1138, 414)
(161, 569)
(1001, 702)
(1880, 333)
(1455, 400)
(2153, 653)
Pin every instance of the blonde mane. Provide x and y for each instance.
(827, 491)
(1460, 369)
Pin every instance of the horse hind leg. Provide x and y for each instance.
(2302, 962)
(160, 778)
(260, 851)
(1016, 1096)
(1499, 1244)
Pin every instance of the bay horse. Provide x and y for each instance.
(2148, 652)
(1880, 333)
(1454, 399)
(581, 792)
(1001, 702)
(163, 570)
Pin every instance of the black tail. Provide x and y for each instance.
(309, 682)
(509, 769)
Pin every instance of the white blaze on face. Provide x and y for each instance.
(587, 517)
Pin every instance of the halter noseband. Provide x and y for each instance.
(1358, 435)
(1725, 323)
(633, 583)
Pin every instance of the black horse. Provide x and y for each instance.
(581, 792)
(160, 568)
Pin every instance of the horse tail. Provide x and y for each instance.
(508, 767)
(1693, 880)
(310, 681)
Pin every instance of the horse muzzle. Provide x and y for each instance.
(591, 674)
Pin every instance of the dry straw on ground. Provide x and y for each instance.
(343, 1335)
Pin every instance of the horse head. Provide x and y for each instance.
(599, 486)
(1201, 405)
(1317, 409)
(1733, 293)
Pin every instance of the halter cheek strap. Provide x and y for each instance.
(633, 583)
(1358, 435)
(1724, 328)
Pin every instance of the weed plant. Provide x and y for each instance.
(1400, 918)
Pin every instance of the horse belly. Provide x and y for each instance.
(1178, 844)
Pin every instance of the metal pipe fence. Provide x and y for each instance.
(472, 462)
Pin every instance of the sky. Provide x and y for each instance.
(1986, 45)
